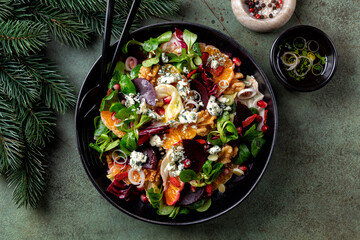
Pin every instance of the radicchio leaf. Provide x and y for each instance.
(199, 87)
(179, 36)
(188, 197)
(151, 162)
(146, 90)
(195, 152)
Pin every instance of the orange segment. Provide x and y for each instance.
(176, 134)
(172, 193)
(109, 123)
(227, 74)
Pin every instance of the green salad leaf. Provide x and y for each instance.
(127, 86)
(256, 145)
(188, 175)
(155, 195)
(189, 39)
(109, 100)
(243, 154)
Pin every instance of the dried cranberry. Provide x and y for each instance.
(262, 104)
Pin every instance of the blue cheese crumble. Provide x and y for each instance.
(213, 108)
(176, 165)
(183, 88)
(137, 159)
(156, 141)
(142, 108)
(131, 99)
(187, 117)
(214, 150)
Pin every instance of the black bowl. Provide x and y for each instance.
(309, 33)
(222, 203)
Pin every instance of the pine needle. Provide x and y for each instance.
(22, 37)
(56, 92)
(5, 9)
(64, 26)
(16, 84)
(11, 137)
(28, 180)
(39, 125)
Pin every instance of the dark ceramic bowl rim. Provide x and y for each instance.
(255, 182)
(277, 71)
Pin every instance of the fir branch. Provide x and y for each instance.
(5, 9)
(22, 37)
(150, 8)
(95, 21)
(63, 25)
(20, 10)
(11, 137)
(39, 125)
(77, 5)
(29, 179)
(16, 84)
(56, 92)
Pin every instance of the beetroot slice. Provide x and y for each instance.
(146, 90)
(242, 112)
(146, 133)
(151, 162)
(188, 197)
(195, 152)
(201, 89)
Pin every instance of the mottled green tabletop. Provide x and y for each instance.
(311, 189)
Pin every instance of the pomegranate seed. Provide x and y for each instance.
(187, 163)
(239, 130)
(277, 5)
(258, 118)
(143, 198)
(201, 141)
(116, 86)
(113, 116)
(226, 171)
(215, 137)
(160, 110)
(262, 104)
(167, 99)
(280, 1)
(208, 190)
(140, 189)
(250, 3)
(193, 189)
(237, 60)
(251, 10)
(265, 128)
(243, 168)
(257, 16)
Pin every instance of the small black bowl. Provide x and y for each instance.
(238, 188)
(327, 47)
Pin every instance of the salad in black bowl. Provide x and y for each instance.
(185, 130)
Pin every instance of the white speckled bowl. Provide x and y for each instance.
(242, 14)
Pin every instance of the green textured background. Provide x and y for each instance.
(310, 190)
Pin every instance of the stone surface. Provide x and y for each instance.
(311, 189)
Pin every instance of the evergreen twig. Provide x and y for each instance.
(22, 37)
(6, 9)
(16, 84)
(11, 137)
(56, 92)
(64, 26)
(28, 180)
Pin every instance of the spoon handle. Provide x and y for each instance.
(124, 34)
(107, 38)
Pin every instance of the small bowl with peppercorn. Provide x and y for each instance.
(263, 15)
(303, 58)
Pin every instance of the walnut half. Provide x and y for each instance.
(205, 123)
